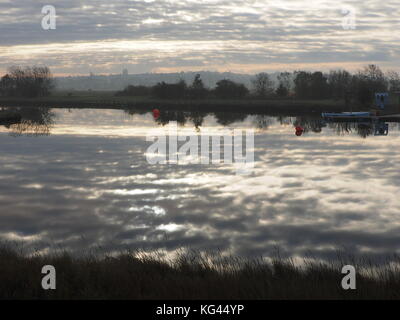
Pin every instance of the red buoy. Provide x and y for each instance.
(156, 113)
(299, 131)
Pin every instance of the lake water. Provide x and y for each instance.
(79, 179)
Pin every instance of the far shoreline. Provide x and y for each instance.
(106, 100)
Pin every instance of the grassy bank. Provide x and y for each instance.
(104, 99)
(189, 276)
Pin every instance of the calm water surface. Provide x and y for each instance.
(79, 179)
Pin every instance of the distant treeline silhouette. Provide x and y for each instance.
(337, 84)
(357, 88)
(27, 82)
(224, 89)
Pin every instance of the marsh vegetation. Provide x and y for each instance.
(192, 275)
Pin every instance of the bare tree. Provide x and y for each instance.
(369, 81)
(393, 79)
(29, 81)
(339, 83)
(285, 84)
(262, 85)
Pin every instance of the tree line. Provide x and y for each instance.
(225, 89)
(27, 82)
(337, 84)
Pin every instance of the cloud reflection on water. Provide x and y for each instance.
(78, 189)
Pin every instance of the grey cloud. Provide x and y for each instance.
(312, 35)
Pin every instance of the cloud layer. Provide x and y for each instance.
(240, 36)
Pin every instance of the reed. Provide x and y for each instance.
(191, 275)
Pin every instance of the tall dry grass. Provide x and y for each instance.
(190, 275)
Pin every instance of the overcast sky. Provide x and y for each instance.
(245, 36)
